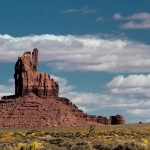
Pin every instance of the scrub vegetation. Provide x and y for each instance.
(110, 137)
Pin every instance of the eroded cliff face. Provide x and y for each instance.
(32, 111)
(28, 79)
(36, 102)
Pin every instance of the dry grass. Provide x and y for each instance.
(113, 137)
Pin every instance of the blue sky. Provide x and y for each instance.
(97, 50)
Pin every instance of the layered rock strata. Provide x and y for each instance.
(33, 111)
(36, 102)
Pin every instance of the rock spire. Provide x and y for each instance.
(28, 79)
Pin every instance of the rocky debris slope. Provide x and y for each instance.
(36, 102)
(32, 111)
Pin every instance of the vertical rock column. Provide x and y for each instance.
(18, 78)
(35, 60)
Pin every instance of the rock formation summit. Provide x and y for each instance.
(28, 79)
(36, 102)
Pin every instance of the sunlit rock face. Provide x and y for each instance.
(28, 79)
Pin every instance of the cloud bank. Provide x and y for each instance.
(84, 53)
(135, 21)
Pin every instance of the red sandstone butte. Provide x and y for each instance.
(36, 102)
(28, 79)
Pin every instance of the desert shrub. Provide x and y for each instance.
(78, 134)
(33, 145)
(100, 145)
(92, 128)
(57, 141)
(63, 134)
(34, 131)
(7, 146)
(69, 135)
(18, 133)
(82, 146)
(21, 146)
(67, 145)
(57, 134)
(129, 146)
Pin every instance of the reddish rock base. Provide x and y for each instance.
(32, 111)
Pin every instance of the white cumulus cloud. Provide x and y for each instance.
(136, 21)
(139, 112)
(136, 25)
(139, 16)
(140, 80)
(135, 16)
(84, 53)
(63, 85)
